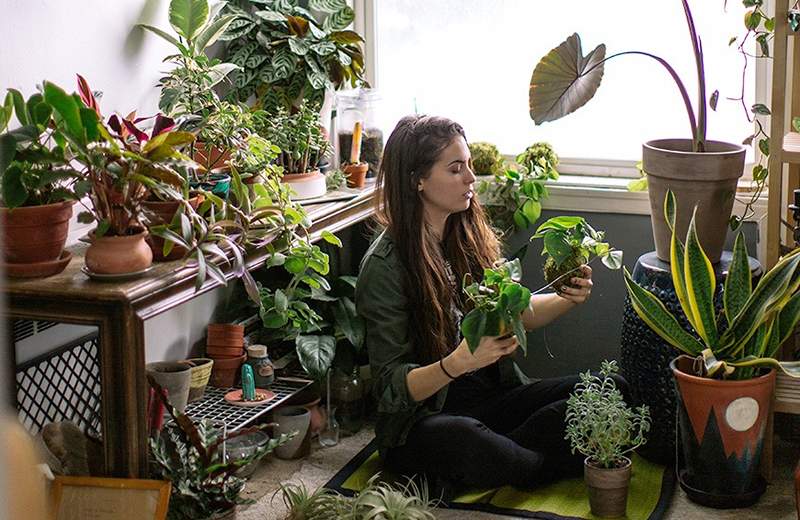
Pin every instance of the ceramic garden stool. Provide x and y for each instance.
(645, 357)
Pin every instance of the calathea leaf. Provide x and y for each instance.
(339, 20)
(316, 354)
(283, 63)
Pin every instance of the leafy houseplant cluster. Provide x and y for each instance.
(377, 500)
(570, 242)
(286, 55)
(299, 137)
(192, 456)
(486, 159)
(497, 304)
(599, 424)
(513, 198)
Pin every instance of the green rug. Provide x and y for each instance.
(648, 498)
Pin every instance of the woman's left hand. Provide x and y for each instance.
(584, 289)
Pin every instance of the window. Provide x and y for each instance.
(471, 60)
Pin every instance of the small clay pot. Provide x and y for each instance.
(356, 174)
(163, 213)
(608, 488)
(225, 370)
(118, 254)
(36, 233)
(225, 335)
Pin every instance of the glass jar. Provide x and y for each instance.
(348, 397)
(263, 371)
(359, 105)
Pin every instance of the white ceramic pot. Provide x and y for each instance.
(292, 419)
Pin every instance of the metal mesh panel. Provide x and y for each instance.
(62, 385)
(213, 405)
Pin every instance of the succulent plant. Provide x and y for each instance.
(486, 159)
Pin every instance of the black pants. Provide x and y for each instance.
(514, 438)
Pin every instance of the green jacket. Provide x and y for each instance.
(382, 303)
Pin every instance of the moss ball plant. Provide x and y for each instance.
(486, 159)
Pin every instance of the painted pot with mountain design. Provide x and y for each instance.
(722, 425)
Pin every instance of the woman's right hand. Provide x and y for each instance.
(490, 349)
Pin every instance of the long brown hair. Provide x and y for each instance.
(469, 243)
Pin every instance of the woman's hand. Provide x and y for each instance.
(581, 294)
(490, 349)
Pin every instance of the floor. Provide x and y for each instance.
(316, 469)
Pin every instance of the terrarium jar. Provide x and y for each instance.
(348, 398)
(359, 105)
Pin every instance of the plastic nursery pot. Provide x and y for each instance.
(118, 254)
(35, 234)
(163, 213)
(225, 370)
(356, 174)
(175, 377)
(608, 488)
(200, 375)
(217, 182)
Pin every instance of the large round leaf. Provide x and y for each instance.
(564, 80)
(316, 354)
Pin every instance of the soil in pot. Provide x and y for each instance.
(36, 235)
(564, 272)
(118, 254)
(608, 488)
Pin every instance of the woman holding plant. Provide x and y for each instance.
(432, 388)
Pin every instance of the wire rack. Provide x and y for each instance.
(214, 407)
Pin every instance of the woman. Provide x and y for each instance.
(463, 418)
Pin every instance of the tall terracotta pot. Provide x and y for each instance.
(706, 180)
(118, 254)
(608, 488)
(36, 233)
(722, 425)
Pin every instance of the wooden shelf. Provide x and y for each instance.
(791, 148)
(787, 394)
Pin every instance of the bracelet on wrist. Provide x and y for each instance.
(441, 365)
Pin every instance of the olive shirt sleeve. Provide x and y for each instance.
(381, 302)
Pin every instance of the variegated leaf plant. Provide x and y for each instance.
(754, 322)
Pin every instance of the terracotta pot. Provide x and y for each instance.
(118, 254)
(175, 377)
(797, 489)
(706, 180)
(356, 174)
(163, 213)
(224, 331)
(223, 352)
(608, 488)
(35, 234)
(722, 425)
(225, 370)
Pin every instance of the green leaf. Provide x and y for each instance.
(560, 224)
(188, 17)
(102, 228)
(8, 149)
(613, 260)
(294, 265)
(565, 80)
(19, 107)
(348, 321)
(557, 246)
(532, 210)
(298, 46)
(211, 33)
(738, 284)
(67, 108)
(6, 111)
(339, 20)
(790, 368)
(161, 33)
(659, 319)
(473, 328)
(316, 354)
(346, 37)
(763, 145)
(271, 16)
(796, 124)
(281, 301)
(700, 284)
(327, 6)
(283, 63)
(14, 192)
(330, 238)
(760, 109)
(769, 24)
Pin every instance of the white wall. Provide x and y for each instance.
(54, 40)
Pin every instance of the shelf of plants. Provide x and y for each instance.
(213, 406)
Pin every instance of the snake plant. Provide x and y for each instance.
(753, 323)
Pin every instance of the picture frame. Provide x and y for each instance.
(99, 498)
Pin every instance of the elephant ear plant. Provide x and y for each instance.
(570, 242)
(755, 321)
(497, 303)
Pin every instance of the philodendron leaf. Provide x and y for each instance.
(14, 192)
(188, 17)
(613, 260)
(565, 80)
(473, 327)
(8, 149)
(316, 354)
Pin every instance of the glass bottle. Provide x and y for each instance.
(348, 394)
(329, 434)
(359, 105)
